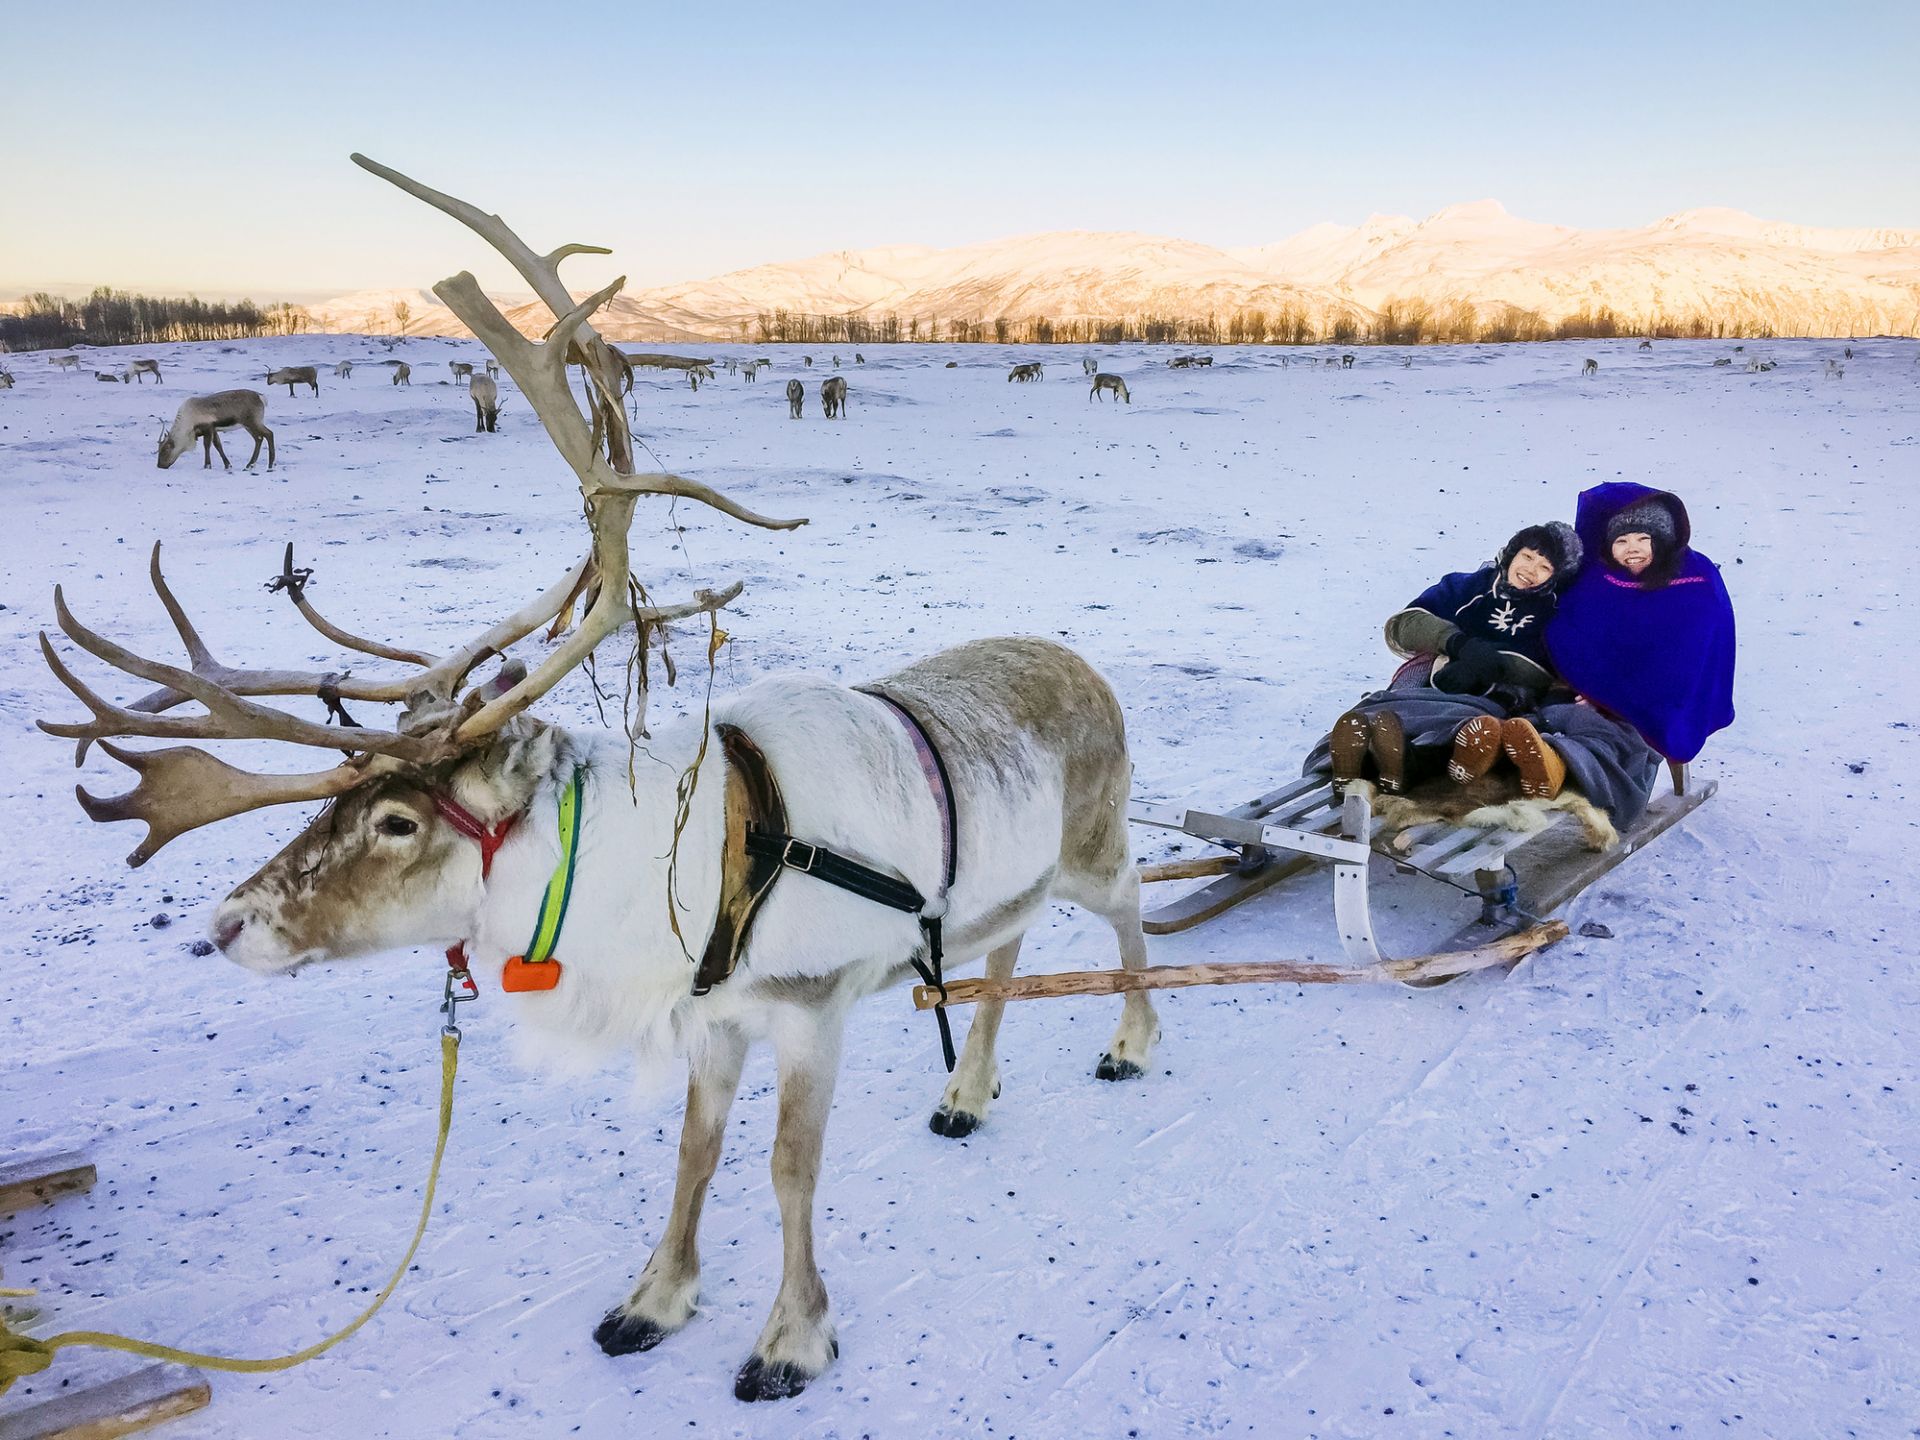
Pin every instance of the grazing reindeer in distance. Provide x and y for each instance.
(140, 369)
(1028, 371)
(836, 362)
(733, 366)
(203, 417)
(1406, 362)
(343, 371)
(65, 362)
(1089, 367)
(796, 396)
(493, 367)
(1113, 385)
(484, 390)
(1849, 352)
(293, 375)
(833, 397)
(752, 371)
(1723, 360)
(808, 359)
(1646, 344)
(1180, 362)
(402, 373)
(1203, 362)
(1346, 361)
(462, 370)
(1835, 370)
(1592, 367)
(1035, 749)
(858, 358)
(6, 379)
(110, 377)
(697, 373)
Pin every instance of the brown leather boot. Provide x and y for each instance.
(1542, 771)
(1476, 745)
(1347, 745)
(1387, 742)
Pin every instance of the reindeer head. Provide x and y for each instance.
(172, 447)
(388, 862)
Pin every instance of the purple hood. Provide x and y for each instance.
(1661, 658)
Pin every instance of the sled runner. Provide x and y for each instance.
(1304, 825)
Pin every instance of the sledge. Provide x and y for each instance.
(1518, 876)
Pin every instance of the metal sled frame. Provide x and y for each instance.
(1305, 824)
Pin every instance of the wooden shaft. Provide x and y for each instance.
(1192, 869)
(1173, 977)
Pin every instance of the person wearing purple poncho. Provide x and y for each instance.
(1645, 640)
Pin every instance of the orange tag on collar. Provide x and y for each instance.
(522, 975)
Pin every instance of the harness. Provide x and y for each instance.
(759, 846)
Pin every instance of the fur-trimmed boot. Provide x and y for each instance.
(1542, 771)
(1476, 745)
(1387, 743)
(1347, 746)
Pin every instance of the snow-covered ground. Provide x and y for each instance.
(1662, 1183)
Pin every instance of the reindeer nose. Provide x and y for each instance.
(227, 928)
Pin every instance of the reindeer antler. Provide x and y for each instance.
(184, 787)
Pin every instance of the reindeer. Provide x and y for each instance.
(462, 370)
(1203, 362)
(1328, 363)
(1835, 370)
(1346, 361)
(293, 375)
(1180, 362)
(442, 827)
(1723, 360)
(1113, 384)
(752, 371)
(140, 369)
(1646, 344)
(343, 371)
(6, 379)
(203, 417)
(65, 362)
(733, 366)
(1089, 366)
(493, 367)
(833, 397)
(484, 391)
(1029, 371)
(109, 378)
(402, 373)
(1591, 367)
(796, 393)
(858, 358)
(836, 362)
(696, 373)
(1406, 362)
(1849, 352)
(807, 360)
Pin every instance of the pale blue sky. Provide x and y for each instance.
(205, 146)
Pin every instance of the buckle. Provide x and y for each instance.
(786, 856)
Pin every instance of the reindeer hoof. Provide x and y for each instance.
(954, 1124)
(1112, 1069)
(758, 1380)
(622, 1334)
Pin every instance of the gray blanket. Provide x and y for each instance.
(1606, 759)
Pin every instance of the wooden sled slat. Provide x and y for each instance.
(41, 1178)
(119, 1407)
(1221, 896)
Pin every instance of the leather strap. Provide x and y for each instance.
(753, 806)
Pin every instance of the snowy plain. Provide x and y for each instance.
(1662, 1183)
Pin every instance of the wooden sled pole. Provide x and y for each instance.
(1506, 949)
(1194, 869)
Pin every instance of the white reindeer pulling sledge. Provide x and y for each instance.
(978, 783)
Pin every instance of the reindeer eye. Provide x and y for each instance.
(397, 825)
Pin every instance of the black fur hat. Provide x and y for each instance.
(1555, 542)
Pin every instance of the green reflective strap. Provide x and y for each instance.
(553, 905)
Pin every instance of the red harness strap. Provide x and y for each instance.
(489, 838)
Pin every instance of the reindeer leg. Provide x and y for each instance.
(663, 1299)
(1132, 1044)
(214, 437)
(798, 1342)
(976, 1079)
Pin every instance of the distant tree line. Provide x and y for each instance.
(1397, 322)
(114, 317)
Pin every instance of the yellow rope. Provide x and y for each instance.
(21, 1355)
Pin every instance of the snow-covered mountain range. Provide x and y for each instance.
(1721, 265)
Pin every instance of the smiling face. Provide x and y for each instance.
(1633, 552)
(377, 869)
(1529, 569)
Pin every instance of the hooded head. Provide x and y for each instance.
(1609, 512)
(1556, 543)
